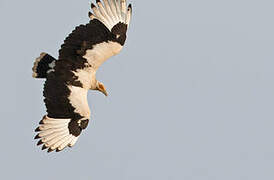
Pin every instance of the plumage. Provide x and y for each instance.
(103, 12)
(123, 9)
(37, 129)
(39, 142)
(73, 141)
(44, 147)
(109, 12)
(91, 15)
(100, 16)
(73, 73)
(51, 126)
(50, 150)
(129, 12)
(118, 10)
(114, 11)
(47, 132)
(59, 141)
(65, 142)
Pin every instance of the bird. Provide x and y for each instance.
(69, 77)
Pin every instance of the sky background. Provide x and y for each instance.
(191, 96)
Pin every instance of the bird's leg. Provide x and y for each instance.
(100, 87)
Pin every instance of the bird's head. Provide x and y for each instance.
(100, 87)
(120, 33)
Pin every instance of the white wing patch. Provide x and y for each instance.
(101, 52)
(54, 134)
(111, 12)
(78, 99)
(87, 77)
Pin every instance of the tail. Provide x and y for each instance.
(42, 65)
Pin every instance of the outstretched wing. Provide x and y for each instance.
(83, 51)
(55, 134)
(83, 38)
(111, 12)
(95, 42)
(68, 114)
(115, 15)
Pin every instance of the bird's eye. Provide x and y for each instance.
(118, 35)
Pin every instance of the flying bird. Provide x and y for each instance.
(69, 77)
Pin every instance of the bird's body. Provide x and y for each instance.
(69, 78)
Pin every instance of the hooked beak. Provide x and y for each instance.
(102, 89)
(105, 92)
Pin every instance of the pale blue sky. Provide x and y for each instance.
(191, 94)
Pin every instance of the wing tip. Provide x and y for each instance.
(130, 8)
(37, 129)
(91, 15)
(58, 150)
(50, 150)
(51, 132)
(92, 6)
(39, 143)
(111, 12)
(37, 137)
(44, 147)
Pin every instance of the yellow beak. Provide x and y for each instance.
(102, 89)
(105, 92)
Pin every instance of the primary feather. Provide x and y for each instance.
(69, 77)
